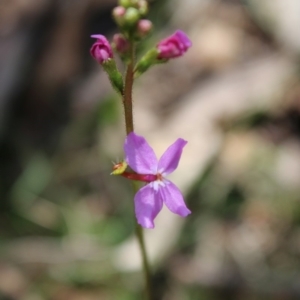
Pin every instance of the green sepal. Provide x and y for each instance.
(148, 60)
(114, 75)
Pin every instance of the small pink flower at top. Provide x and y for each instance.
(101, 49)
(173, 46)
(150, 198)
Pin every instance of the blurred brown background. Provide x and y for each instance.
(67, 228)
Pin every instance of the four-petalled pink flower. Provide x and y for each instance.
(173, 46)
(150, 198)
(101, 49)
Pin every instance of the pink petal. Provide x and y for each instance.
(173, 46)
(104, 54)
(173, 199)
(99, 37)
(101, 50)
(148, 204)
(184, 39)
(139, 155)
(170, 159)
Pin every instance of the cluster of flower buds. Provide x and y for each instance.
(130, 17)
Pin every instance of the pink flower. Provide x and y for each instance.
(173, 46)
(101, 49)
(150, 198)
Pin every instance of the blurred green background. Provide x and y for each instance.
(67, 226)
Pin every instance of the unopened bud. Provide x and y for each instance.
(101, 50)
(173, 46)
(131, 16)
(144, 27)
(128, 3)
(143, 7)
(120, 43)
(118, 14)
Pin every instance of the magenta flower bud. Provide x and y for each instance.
(173, 46)
(118, 14)
(144, 27)
(121, 44)
(101, 49)
(119, 11)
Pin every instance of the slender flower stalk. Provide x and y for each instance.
(127, 104)
(127, 98)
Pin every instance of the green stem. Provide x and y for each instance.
(146, 267)
(127, 103)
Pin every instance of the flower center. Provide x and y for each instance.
(159, 177)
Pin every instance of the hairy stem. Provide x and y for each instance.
(127, 99)
(127, 103)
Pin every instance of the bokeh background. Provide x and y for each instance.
(66, 225)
